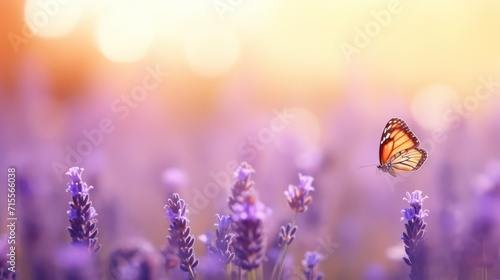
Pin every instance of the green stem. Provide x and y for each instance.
(282, 261)
(227, 271)
(275, 268)
(485, 269)
(260, 273)
(191, 273)
(251, 275)
(311, 274)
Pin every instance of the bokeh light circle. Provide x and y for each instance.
(430, 104)
(211, 50)
(125, 34)
(52, 18)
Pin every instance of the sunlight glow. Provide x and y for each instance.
(53, 18)
(211, 50)
(125, 34)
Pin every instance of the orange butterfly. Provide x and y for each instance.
(399, 149)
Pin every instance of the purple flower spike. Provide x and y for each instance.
(180, 239)
(250, 209)
(408, 214)
(77, 186)
(298, 197)
(83, 229)
(310, 262)
(248, 214)
(75, 173)
(224, 221)
(287, 234)
(305, 183)
(176, 211)
(415, 198)
(243, 172)
(414, 236)
(221, 252)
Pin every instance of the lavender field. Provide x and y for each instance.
(240, 139)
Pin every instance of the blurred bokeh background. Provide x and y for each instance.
(154, 97)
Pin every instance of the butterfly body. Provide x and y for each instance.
(399, 149)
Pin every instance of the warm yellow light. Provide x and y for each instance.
(431, 104)
(173, 17)
(212, 49)
(125, 34)
(255, 15)
(52, 18)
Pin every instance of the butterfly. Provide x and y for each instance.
(399, 149)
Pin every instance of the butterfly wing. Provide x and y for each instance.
(410, 160)
(399, 148)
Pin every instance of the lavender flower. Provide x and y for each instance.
(250, 209)
(248, 216)
(223, 239)
(220, 253)
(242, 186)
(224, 221)
(310, 262)
(180, 237)
(83, 229)
(249, 242)
(298, 196)
(414, 236)
(243, 172)
(287, 235)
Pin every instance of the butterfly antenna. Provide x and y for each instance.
(369, 165)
